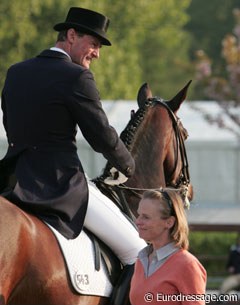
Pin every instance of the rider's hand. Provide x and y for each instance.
(116, 177)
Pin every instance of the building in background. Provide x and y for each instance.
(213, 155)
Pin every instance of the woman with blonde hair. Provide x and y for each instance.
(165, 270)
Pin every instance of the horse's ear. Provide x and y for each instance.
(175, 102)
(143, 94)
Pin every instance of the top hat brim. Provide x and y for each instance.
(67, 25)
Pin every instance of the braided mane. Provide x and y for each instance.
(128, 134)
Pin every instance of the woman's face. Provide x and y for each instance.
(151, 226)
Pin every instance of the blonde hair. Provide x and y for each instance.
(171, 204)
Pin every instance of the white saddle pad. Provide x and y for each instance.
(79, 257)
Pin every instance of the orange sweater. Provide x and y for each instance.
(180, 280)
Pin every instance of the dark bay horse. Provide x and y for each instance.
(32, 268)
(155, 136)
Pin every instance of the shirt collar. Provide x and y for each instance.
(161, 253)
(60, 50)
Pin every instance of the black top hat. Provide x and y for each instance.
(86, 21)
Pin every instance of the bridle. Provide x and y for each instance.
(116, 193)
(129, 132)
(184, 177)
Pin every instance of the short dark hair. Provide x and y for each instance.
(62, 35)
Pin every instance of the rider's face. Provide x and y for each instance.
(84, 49)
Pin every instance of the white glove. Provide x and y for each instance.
(116, 177)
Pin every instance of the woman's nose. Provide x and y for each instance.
(138, 220)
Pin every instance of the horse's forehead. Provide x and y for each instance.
(159, 116)
(155, 133)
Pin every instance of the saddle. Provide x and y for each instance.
(93, 268)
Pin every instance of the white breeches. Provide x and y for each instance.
(107, 222)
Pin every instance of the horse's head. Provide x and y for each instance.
(155, 137)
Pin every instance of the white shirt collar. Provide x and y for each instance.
(60, 50)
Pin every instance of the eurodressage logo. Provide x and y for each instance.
(82, 280)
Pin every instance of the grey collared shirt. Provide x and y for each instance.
(160, 256)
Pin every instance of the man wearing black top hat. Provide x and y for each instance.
(43, 101)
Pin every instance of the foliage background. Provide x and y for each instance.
(212, 249)
(154, 41)
(210, 21)
(149, 42)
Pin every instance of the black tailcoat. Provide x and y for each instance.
(43, 101)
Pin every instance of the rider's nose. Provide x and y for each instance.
(96, 53)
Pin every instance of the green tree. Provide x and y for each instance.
(164, 47)
(149, 43)
(22, 33)
(209, 22)
(225, 90)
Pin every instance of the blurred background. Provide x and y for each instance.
(164, 43)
